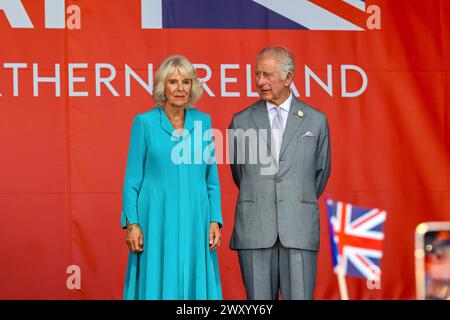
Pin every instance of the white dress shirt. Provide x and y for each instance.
(284, 110)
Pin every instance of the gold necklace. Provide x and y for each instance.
(176, 124)
(172, 121)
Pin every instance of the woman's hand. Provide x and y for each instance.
(215, 237)
(135, 238)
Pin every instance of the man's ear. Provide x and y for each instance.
(289, 78)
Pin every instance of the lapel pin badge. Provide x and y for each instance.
(300, 113)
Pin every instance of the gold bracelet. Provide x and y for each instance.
(133, 226)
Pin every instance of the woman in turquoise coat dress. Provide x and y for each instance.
(171, 194)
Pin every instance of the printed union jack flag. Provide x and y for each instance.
(348, 15)
(356, 236)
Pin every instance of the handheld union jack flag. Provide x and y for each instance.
(356, 239)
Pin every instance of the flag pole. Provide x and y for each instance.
(342, 283)
(337, 262)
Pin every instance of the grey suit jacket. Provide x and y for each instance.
(284, 203)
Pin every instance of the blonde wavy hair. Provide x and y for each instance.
(171, 66)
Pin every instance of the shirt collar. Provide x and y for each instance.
(286, 105)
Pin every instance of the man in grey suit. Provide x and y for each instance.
(276, 227)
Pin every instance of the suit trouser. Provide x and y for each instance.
(266, 272)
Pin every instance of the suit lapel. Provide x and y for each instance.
(292, 124)
(260, 117)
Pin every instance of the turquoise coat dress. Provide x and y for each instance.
(172, 190)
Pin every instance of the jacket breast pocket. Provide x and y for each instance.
(307, 139)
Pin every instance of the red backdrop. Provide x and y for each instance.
(63, 156)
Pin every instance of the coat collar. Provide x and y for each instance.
(168, 127)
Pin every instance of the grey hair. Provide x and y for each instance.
(285, 59)
(169, 67)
